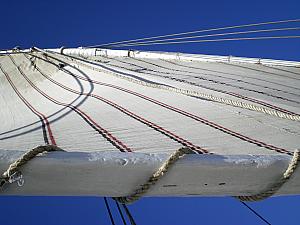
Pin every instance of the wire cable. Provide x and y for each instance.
(212, 35)
(256, 213)
(128, 214)
(215, 40)
(109, 212)
(198, 31)
(120, 212)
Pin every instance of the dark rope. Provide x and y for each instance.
(129, 214)
(109, 212)
(256, 213)
(120, 212)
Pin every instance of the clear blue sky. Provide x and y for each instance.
(75, 23)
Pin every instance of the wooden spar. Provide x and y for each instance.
(118, 174)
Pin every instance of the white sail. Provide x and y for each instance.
(119, 114)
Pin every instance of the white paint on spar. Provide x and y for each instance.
(118, 174)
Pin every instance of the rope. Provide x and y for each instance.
(198, 31)
(12, 173)
(271, 190)
(211, 35)
(157, 73)
(129, 215)
(139, 192)
(256, 213)
(144, 188)
(212, 40)
(109, 211)
(120, 212)
(202, 95)
(9, 176)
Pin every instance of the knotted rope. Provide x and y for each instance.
(272, 189)
(14, 168)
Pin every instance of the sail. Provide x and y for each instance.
(119, 114)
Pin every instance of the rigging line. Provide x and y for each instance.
(199, 31)
(179, 64)
(218, 34)
(120, 212)
(255, 90)
(207, 77)
(232, 76)
(131, 219)
(257, 69)
(213, 40)
(256, 213)
(109, 212)
(283, 70)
